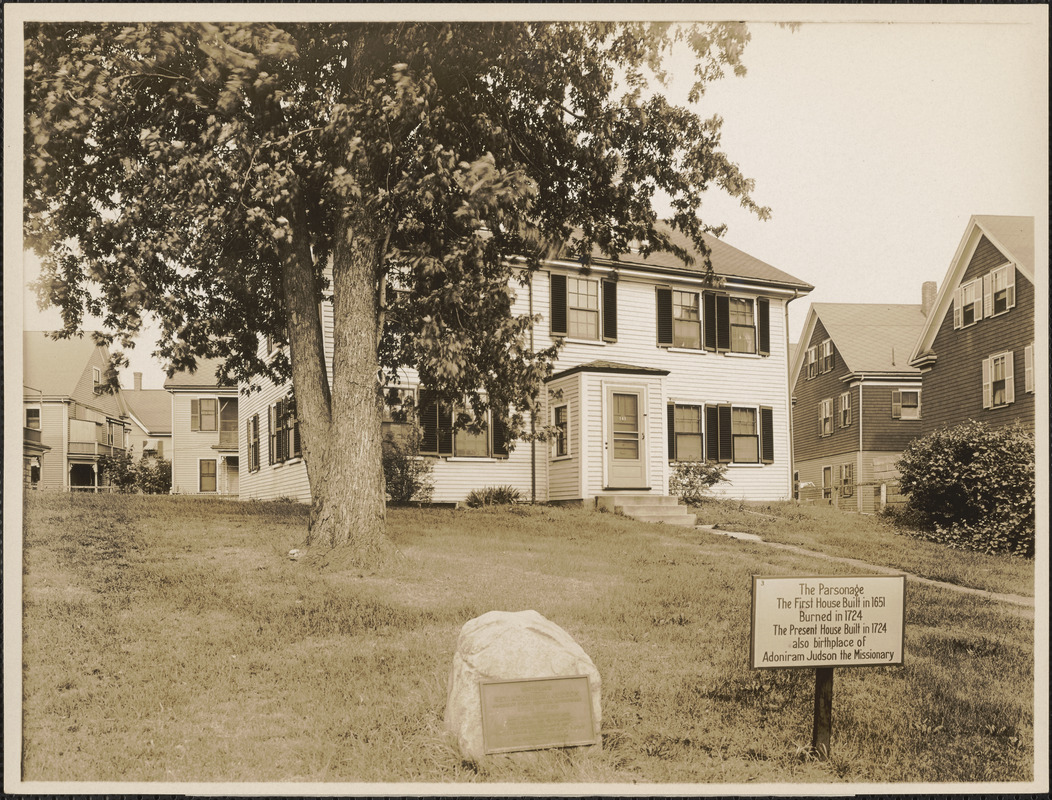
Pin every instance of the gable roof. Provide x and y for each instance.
(727, 262)
(872, 338)
(151, 409)
(1013, 236)
(54, 366)
(204, 377)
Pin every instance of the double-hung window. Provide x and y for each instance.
(207, 478)
(811, 362)
(826, 359)
(397, 421)
(561, 422)
(847, 481)
(968, 304)
(583, 308)
(439, 439)
(999, 290)
(999, 380)
(284, 431)
(33, 418)
(684, 433)
(743, 325)
(905, 403)
(740, 435)
(845, 410)
(686, 320)
(825, 417)
(204, 413)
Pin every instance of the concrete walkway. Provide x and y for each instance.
(1013, 599)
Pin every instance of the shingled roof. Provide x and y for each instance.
(152, 409)
(873, 337)
(204, 377)
(727, 261)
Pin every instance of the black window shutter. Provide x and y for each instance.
(725, 433)
(429, 428)
(500, 438)
(766, 435)
(557, 285)
(712, 431)
(271, 436)
(723, 322)
(445, 431)
(664, 317)
(763, 324)
(609, 311)
(710, 320)
(671, 432)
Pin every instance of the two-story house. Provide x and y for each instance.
(150, 418)
(976, 350)
(856, 400)
(204, 438)
(657, 366)
(70, 420)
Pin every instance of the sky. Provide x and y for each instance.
(873, 143)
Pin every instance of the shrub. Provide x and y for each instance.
(972, 487)
(120, 470)
(408, 475)
(154, 475)
(691, 480)
(493, 496)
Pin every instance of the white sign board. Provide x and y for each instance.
(827, 621)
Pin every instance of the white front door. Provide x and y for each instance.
(626, 451)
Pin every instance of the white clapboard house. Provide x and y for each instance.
(656, 367)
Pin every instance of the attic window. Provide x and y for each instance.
(96, 378)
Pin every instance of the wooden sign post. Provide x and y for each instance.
(827, 621)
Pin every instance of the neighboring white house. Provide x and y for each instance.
(204, 441)
(150, 414)
(656, 367)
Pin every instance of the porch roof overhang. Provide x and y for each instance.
(609, 367)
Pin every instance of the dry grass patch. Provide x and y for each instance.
(172, 639)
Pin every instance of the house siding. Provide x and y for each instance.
(881, 431)
(695, 377)
(953, 384)
(809, 394)
(190, 447)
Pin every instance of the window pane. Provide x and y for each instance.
(743, 421)
(746, 449)
(472, 444)
(686, 334)
(743, 340)
(583, 324)
(688, 446)
(688, 419)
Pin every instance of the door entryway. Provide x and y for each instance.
(626, 438)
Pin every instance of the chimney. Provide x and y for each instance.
(928, 291)
(138, 381)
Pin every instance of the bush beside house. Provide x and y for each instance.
(972, 487)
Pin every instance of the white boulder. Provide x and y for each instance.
(505, 645)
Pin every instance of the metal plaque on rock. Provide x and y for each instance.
(537, 714)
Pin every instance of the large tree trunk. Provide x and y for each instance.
(350, 508)
(307, 350)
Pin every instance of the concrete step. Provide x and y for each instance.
(612, 501)
(667, 518)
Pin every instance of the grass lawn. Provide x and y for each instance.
(171, 639)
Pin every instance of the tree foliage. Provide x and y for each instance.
(225, 178)
(972, 486)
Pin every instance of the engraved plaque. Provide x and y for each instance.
(537, 714)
